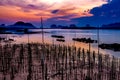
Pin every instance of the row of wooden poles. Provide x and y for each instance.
(36, 61)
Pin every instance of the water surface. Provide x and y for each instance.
(105, 36)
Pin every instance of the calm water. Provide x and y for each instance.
(106, 36)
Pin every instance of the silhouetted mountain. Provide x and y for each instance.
(73, 26)
(54, 26)
(88, 27)
(2, 28)
(21, 25)
(111, 26)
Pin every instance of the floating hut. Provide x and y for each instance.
(60, 40)
(57, 36)
(114, 46)
(85, 40)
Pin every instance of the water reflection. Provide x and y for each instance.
(106, 36)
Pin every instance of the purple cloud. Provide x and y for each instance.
(55, 11)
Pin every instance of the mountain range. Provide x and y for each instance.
(23, 25)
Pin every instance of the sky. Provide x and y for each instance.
(60, 12)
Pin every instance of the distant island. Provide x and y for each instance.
(72, 26)
(21, 25)
(111, 26)
(18, 27)
(87, 26)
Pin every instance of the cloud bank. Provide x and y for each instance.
(105, 14)
(32, 10)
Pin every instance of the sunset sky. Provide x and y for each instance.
(61, 12)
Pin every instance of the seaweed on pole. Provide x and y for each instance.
(43, 46)
(60, 63)
(29, 77)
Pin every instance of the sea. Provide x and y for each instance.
(103, 36)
